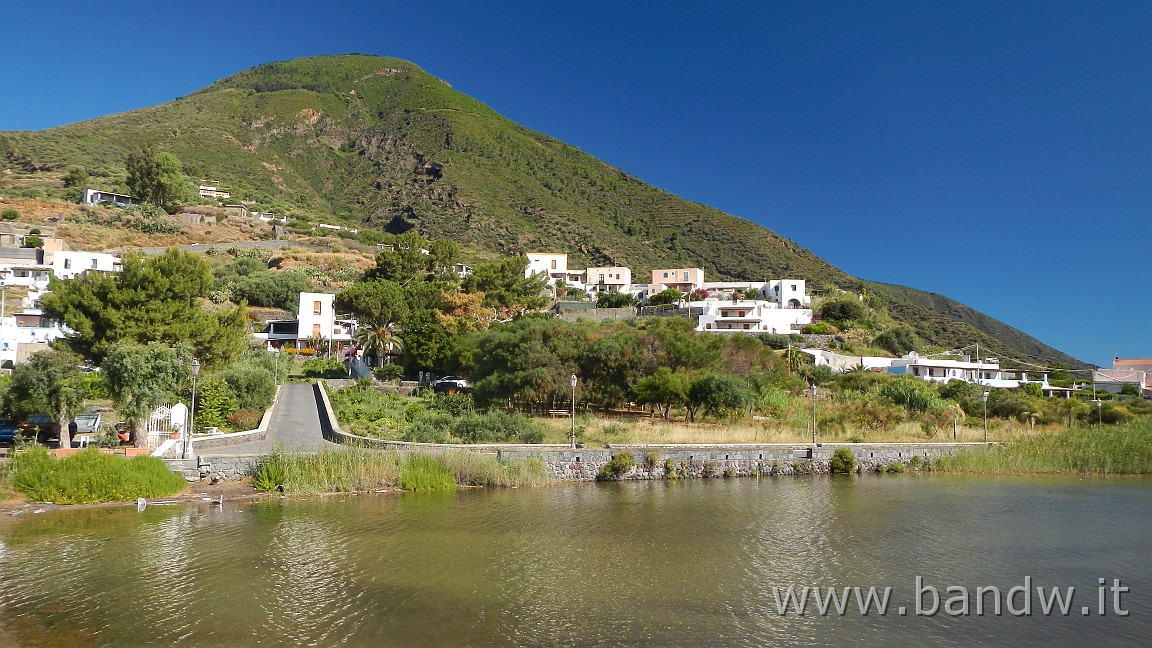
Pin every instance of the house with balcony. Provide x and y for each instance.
(553, 267)
(614, 279)
(96, 197)
(316, 319)
(23, 333)
(988, 373)
(683, 279)
(749, 316)
(212, 191)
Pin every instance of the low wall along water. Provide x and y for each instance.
(583, 464)
(692, 461)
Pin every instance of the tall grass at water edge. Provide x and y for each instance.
(1109, 450)
(360, 469)
(89, 477)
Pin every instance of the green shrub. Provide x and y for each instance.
(271, 475)
(245, 420)
(843, 462)
(89, 477)
(251, 385)
(894, 467)
(497, 427)
(615, 300)
(324, 368)
(9, 214)
(421, 473)
(620, 464)
(819, 328)
(425, 431)
(388, 372)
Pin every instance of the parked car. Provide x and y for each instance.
(451, 385)
(43, 426)
(86, 424)
(8, 430)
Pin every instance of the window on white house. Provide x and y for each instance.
(316, 308)
(67, 264)
(93, 264)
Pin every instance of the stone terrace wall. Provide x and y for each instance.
(736, 460)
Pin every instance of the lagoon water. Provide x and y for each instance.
(688, 563)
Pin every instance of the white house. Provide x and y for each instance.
(749, 316)
(317, 318)
(554, 267)
(211, 191)
(988, 373)
(23, 333)
(68, 264)
(95, 197)
(788, 293)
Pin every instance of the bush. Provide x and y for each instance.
(323, 368)
(89, 477)
(819, 328)
(244, 420)
(252, 386)
(894, 468)
(843, 462)
(426, 474)
(620, 464)
(913, 394)
(270, 476)
(497, 427)
(843, 312)
(898, 340)
(9, 214)
(388, 372)
(615, 300)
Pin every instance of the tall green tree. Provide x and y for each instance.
(505, 287)
(151, 299)
(141, 378)
(49, 383)
(663, 389)
(155, 178)
(379, 300)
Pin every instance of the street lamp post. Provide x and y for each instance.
(812, 392)
(984, 397)
(1099, 413)
(276, 366)
(572, 418)
(192, 412)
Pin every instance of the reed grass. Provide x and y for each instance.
(361, 469)
(598, 431)
(1108, 450)
(90, 477)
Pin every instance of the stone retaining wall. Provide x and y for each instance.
(688, 460)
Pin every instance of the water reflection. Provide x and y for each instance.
(686, 563)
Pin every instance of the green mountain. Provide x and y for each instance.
(379, 143)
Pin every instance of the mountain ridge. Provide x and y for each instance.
(377, 142)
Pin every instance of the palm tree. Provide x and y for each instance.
(377, 337)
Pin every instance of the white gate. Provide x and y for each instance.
(165, 420)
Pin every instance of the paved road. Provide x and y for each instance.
(295, 425)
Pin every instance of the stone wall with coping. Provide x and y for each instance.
(688, 460)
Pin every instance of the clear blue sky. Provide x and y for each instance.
(999, 153)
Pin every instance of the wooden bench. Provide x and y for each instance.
(559, 413)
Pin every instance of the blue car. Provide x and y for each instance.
(7, 430)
